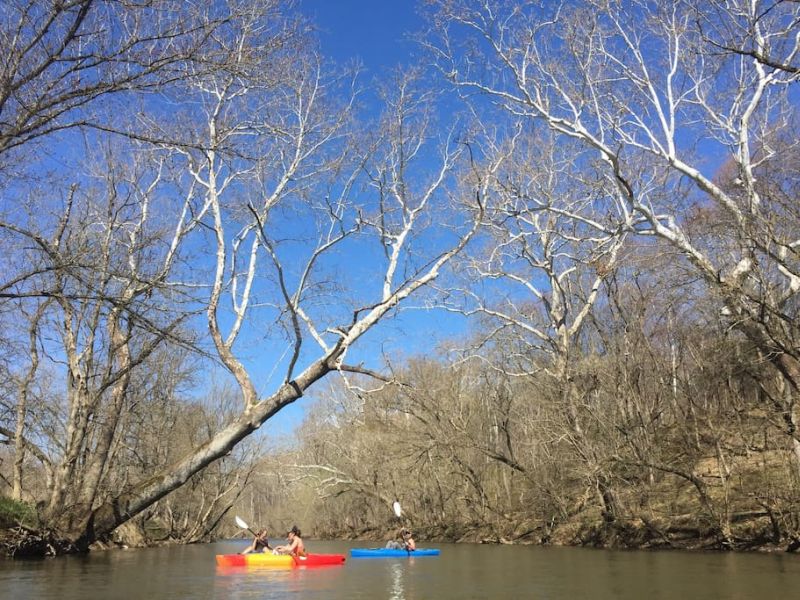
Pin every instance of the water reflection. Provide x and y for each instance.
(253, 582)
(398, 592)
(276, 582)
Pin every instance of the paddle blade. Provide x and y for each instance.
(397, 510)
(241, 523)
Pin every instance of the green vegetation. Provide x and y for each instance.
(14, 512)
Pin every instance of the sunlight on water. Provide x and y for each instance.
(397, 582)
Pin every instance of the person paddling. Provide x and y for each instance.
(408, 541)
(295, 546)
(260, 543)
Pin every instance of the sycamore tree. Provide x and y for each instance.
(406, 145)
(552, 236)
(690, 105)
(236, 211)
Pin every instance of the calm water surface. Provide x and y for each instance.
(462, 571)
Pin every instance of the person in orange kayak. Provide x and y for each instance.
(260, 543)
(295, 546)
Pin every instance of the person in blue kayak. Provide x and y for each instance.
(260, 543)
(404, 541)
(408, 541)
(295, 546)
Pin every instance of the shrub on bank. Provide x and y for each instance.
(14, 512)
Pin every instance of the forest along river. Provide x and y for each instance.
(462, 571)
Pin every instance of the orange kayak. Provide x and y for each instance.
(278, 560)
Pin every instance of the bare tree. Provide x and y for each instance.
(255, 167)
(21, 444)
(60, 59)
(111, 279)
(555, 228)
(638, 84)
(766, 31)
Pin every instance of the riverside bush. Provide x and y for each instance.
(13, 512)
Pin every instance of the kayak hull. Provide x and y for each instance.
(278, 560)
(390, 553)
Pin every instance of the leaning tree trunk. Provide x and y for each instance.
(106, 517)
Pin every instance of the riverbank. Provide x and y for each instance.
(22, 537)
(24, 542)
(631, 535)
(21, 534)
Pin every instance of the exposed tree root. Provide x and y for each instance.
(23, 542)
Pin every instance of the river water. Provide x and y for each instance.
(462, 571)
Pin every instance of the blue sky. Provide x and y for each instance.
(374, 32)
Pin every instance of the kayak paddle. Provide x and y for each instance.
(240, 522)
(398, 511)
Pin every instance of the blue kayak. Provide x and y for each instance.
(389, 552)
